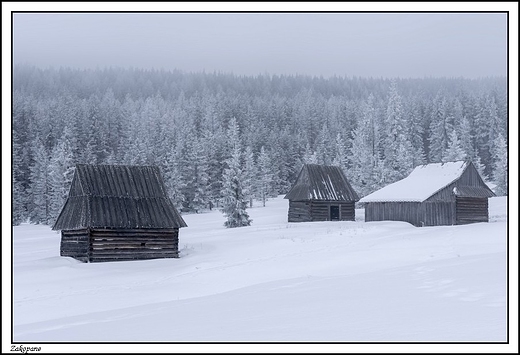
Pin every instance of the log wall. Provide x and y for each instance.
(347, 211)
(299, 211)
(314, 211)
(75, 244)
(472, 210)
(99, 245)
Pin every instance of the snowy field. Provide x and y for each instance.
(273, 282)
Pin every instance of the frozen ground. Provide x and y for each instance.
(273, 282)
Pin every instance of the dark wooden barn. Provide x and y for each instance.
(432, 195)
(116, 212)
(321, 193)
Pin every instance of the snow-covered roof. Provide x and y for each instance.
(422, 183)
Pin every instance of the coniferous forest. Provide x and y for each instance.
(212, 132)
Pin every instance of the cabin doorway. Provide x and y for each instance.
(334, 213)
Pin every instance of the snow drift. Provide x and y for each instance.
(273, 281)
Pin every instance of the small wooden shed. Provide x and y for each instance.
(432, 195)
(118, 212)
(321, 193)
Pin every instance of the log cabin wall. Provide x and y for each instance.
(118, 245)
(133, 244)
(75, 243)
(347, 211)
(299, 211)
(320, 210)
(471, 210)
(315, 211)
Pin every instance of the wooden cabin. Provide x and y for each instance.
(432, 195)
(116, 212)
(321, 193)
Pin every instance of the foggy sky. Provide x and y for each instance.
(345, 44)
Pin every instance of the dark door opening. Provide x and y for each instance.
(334, 213)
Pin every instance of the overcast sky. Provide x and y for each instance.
(352, 44)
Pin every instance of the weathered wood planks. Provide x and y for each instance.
(314, 211)
(94, 245)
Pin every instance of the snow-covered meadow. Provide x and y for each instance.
(273, 282)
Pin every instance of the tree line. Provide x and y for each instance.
(214, 133)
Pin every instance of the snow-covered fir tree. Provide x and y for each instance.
(18, 197)
(481, 168)
(440, 127)
(323, 151)
(192, 168)
(310, 156)
(416, 129)
(500, 176)
(397, 151)
(40, 187)
(487, 132)
(264, 179)
(365, 153)
(234, 202)
(341, 155)
(172, 176)
(454, 152)
(250, 173)
(466, 139)
(201, 177)
(215, 145)
(61, 167)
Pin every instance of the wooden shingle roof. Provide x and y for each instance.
(321, 182)
(118, 196)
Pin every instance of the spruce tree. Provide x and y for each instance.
(481, 168)
(440, 126)
(61, 167)
(40, 185)
(454, 152)
(18, 208)
(365, 153)
(172, 177)
(340, 158)
(18, 211)
(322, 146)
(265, 176)
(500, 175)
(250, 174)
(200, 176)
(398, 161)
(310, 156)
(234, 202)
(186, 167)
(465, 136)
(416, 127)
